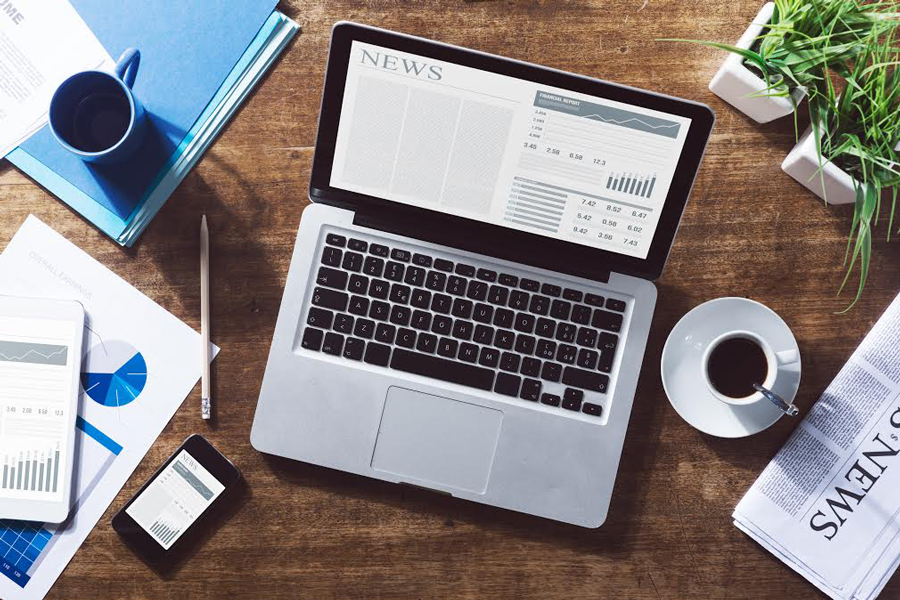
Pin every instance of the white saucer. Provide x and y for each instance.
(682, 366)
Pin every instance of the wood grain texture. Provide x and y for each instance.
(308, 532)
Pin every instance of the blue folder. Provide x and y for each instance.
(187, 50)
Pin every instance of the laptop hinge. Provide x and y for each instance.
(438, 232)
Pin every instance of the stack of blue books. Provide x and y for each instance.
(199, 61)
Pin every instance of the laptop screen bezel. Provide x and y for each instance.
(486, 238)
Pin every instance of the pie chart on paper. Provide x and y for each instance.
(114, 374)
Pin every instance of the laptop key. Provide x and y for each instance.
(333, 344)
(587, 380)
(572, 399)
(531, 367)
(343, 324)
(545, 327)
(365, 328)
(353, 348)
(488, 357)
(616, 305)
(443, 369)
(547, 349)
(421, 260)
(312, 338)
(483, 334)
(551, 371)
(540, 305)
(420, 298)
(510, 362)
(443, 265)
(507, 384)
(560, 309)
(531, 390)
(550, 399)
(607, 348)
(421, 320)
(518, 300)
(332, 278)
(498, 295)
(335, 240)
(359, 306)
(373, 267)
(401, 255)
(573, 295)
(566, 332)
(581, 314)
(385, 333)
(529, 285)
(400, 315)
(462, 308)
(594, 300)
(468, 352)
(504, 339)
(566, 353)
(462, 329)
(441, 303)
(331, 257)
(377, 354)
(592, 409)
(358, 245)
(609, 321)
(379, 288)
(353, 261)
(358, 284)
(586, 337)
(441, 325)
(400, 293)
(587, 359)
(551, 290)
(456, 285)
(525, 344)
(394, 271)
(406, 337)
(379, 310)
(435, 281)
(503, 317)
(319, 317)
(330, 299)
(508, 280)
(486, 275)
(414, 276)
(465, 270)
(524, 323)
(427, 343)
(447, 347)
(378, 250)
(483, 313)
(477, 290)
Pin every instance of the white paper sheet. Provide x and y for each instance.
(119, 419)
(42, 42)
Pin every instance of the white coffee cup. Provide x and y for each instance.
(776, 364)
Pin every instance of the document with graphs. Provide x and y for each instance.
(503, 150)
(828, 504)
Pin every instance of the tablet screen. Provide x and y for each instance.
(37, 357)
(511, 152)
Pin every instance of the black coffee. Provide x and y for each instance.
(100, 120)
(735, 365)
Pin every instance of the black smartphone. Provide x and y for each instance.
(179, 503)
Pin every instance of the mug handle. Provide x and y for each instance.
(127, 66)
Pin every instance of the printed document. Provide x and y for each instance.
(42, 42)
(140, 364)
(828, 503)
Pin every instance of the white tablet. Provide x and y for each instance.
(40, 360)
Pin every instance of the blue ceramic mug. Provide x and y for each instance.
(96, 116)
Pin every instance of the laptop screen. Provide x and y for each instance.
(505, 151)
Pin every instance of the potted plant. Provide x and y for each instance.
(852, 154)
(788, 48)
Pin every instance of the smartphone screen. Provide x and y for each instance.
(167, 507)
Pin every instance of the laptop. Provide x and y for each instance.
(471, 291)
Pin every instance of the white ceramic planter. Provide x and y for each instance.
(833, 184)
(736, 84)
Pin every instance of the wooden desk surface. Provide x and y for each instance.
(308, 532)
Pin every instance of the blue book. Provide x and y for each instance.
(190, 51)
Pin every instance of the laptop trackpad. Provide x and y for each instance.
(438, 440)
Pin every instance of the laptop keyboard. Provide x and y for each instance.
(455, 322)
